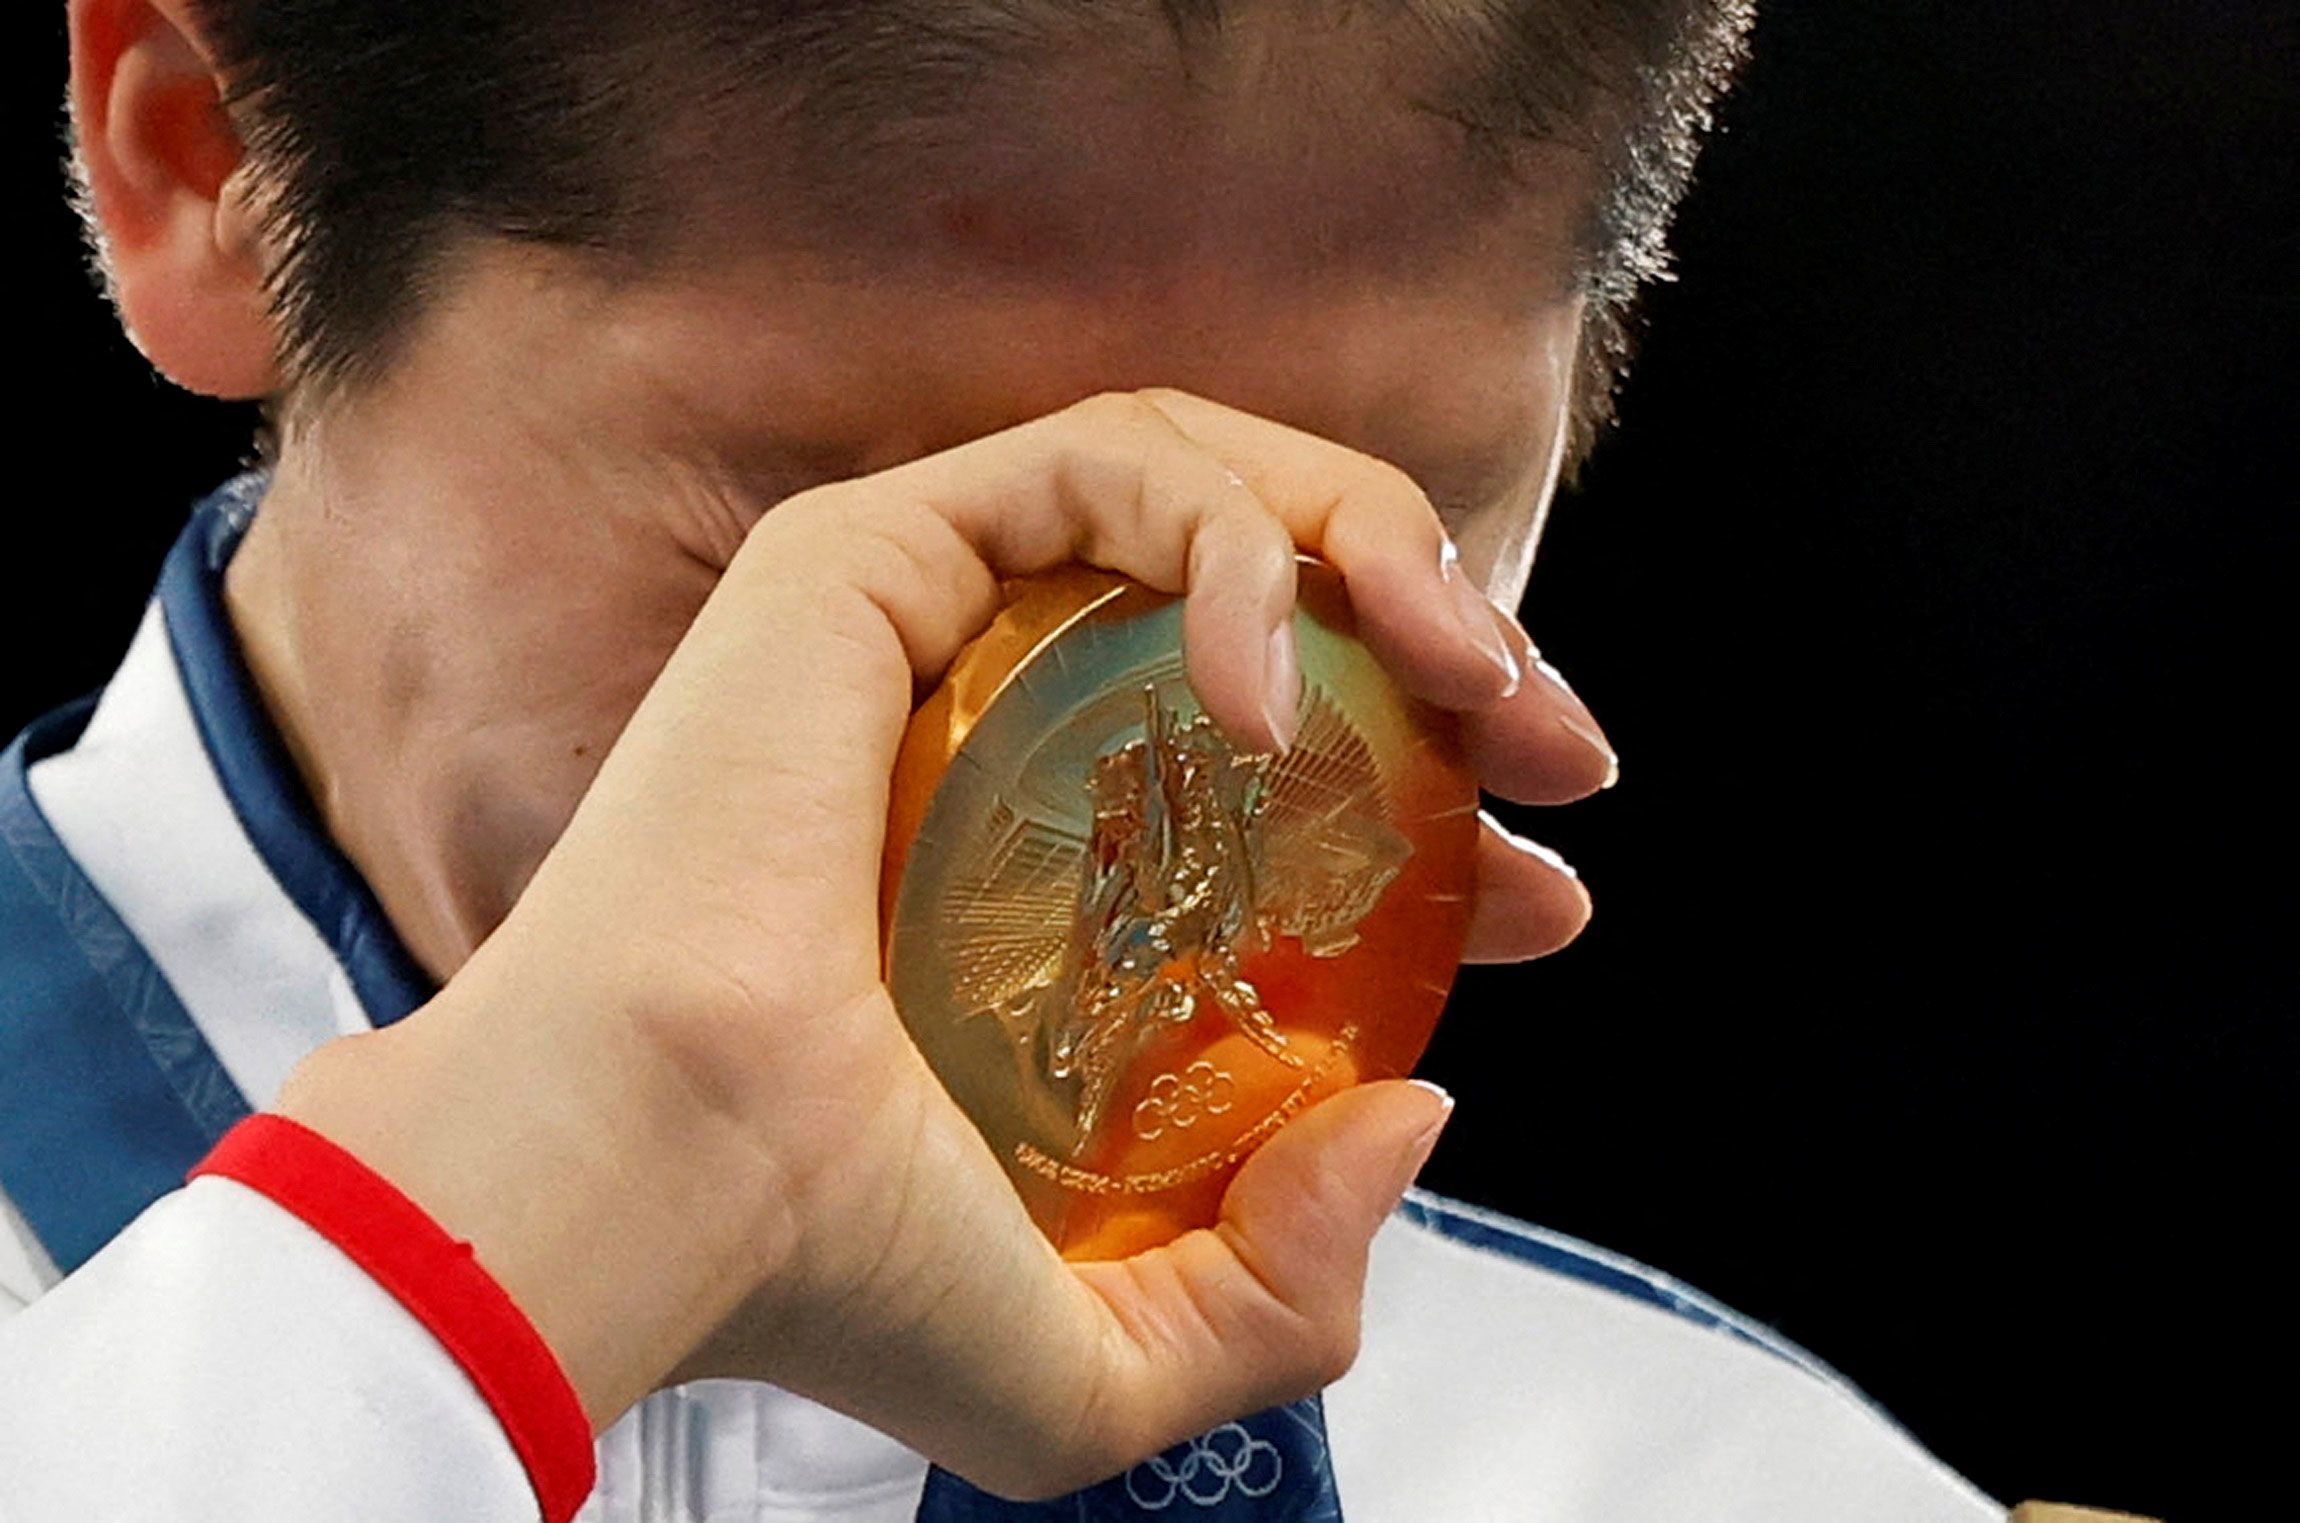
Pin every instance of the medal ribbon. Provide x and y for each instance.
(1272, 1467)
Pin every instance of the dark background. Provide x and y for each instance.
(1938, 1007)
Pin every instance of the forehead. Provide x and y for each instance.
(1395, 324)
(1285, 156)
(849, 378)
(1277, 239)
(1294, 139)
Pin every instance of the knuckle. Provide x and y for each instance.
(898, 528)
(1159, 395)
(889, 566)
(1115, 448)
(845, 536)
(1128, 410)
(807, 517)
(1392, 480)
(813, 503)
(921, 572)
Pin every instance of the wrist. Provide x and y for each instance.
(435, 1278)
(599, 1207)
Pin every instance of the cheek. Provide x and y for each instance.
(1497, 542)
(1498, 538)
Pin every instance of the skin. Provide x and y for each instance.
(597, 557)
(459, 726)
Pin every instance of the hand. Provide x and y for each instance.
(670, 1102)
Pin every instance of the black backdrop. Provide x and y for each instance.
(1938, 1005)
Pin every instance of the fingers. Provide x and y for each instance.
(1416, 610)
(1186, 495)
(1108, 481)
(1529, 901)
(1531, 738)
(1238, 624)
(1539, 745)
(798, 676)
(1263, 1308)
(1189, 496)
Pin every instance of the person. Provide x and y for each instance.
(469, 876)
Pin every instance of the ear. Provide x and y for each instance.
(163, 167)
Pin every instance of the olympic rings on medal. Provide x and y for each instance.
(1180, 1100)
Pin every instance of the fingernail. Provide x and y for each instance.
(1445, 1097)
(1594, 738)
(1556, 679)
(1520, 643)
(1479, 619)
(1578, 722)
(1282, 684)
(1532, 848)
(1418, 1151)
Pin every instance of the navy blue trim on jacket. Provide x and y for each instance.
(252, 763)
(108, 1089)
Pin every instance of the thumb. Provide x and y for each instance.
(1263, 1308)
(1304, 1209)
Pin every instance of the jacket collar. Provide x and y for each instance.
(177, 928)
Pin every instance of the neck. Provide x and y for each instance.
(449, 647)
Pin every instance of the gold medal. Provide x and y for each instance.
(1131, 951)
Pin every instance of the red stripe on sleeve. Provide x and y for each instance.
(437, 1278)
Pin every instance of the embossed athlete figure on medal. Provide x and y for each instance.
(1198, 857)
(1131, 950)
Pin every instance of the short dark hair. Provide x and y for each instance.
(386, 133)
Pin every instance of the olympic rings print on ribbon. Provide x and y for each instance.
(1212, 1465)
(1272, 1467)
